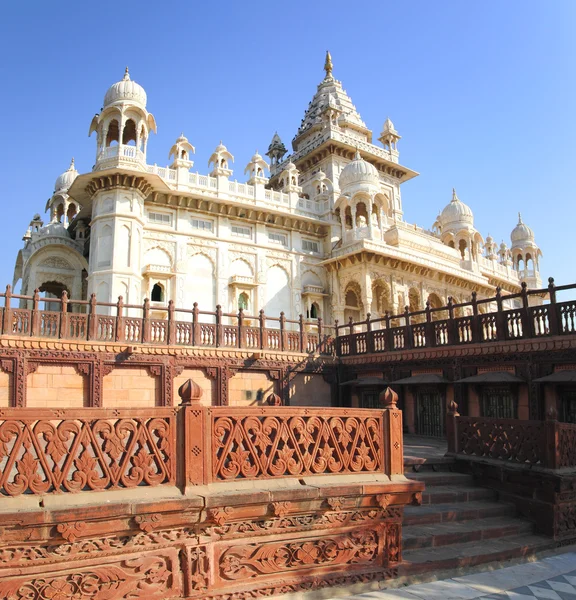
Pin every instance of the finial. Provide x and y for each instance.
(454, 195)
(71, 167)
(357, 155)
(126, 75)
(328, 64)
(519, 219)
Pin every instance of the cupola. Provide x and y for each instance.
(456, 215)
(220, 160)
(521, 234)
(182, 151)
(65, 180)
(124, 91)
(358, 174)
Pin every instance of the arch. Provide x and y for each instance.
(241, 267)
(123, 250)
(104, 246)
(381, 298)
(383, 201)
(113, 133)
(59, 212)
(414, 303)
(353, 306)
(243, 301)
(129, 133)
(310, 277)
(201, 282)
(277, 292)
(103, 292)
(462, 247)
(72, 211)
(313, 312)
(157, 293)
(437, 302)
(157, 256)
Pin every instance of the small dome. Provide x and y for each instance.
(126, 91)
(256, 157)
(358, 172)
(65, 180)
(221, 147)
(388, 125)
(521, 234)
(54, 229)
(456, 215)
(290, 166)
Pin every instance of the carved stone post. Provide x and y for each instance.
(35, 328)
(475, 319)
(283, 333)
(551, 450)
(393, 437)
(218, 326)
(369, 335)
(195, 326)
(262, 324)
(527, 325)
(408, 338)
(452, 428)
(389, 337)
(63, 333)
(146, 326)
(171, 324)
(452, 331)
(303, 336)
(241, 334)
(193, 445)
(553, 320)
(119, 334)
(430, 337)
(320, 336)
(500, 323)
(92, 318)
(7, 322)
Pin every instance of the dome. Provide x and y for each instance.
(54, 229)
(358, 172)
(521, 234)
(65, 180)
(290, 166)
(456, 215)
(126, 91)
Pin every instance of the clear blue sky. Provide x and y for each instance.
(483, 94)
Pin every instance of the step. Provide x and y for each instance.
(456, 493)
(469, 554)
(460, 532)
(463, 511)
(433, 479)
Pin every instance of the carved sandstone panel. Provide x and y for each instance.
(255, 562)
(131, 387)
(57, 386)
(309, 390)
(151, 575)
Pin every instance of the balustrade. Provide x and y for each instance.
(45, 451)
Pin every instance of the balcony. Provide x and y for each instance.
(128, 157)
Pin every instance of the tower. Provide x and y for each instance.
(122, 127)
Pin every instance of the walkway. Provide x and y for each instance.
(551, 578)
(419, 450)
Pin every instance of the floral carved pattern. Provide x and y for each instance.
(566, 445)
(265, 446)
(139, 577)
(251, 560)
(73, 455)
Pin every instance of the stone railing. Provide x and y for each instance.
(547, 444)
(450, 325)
(89, 320)
(45, 451)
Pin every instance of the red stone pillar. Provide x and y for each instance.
(452, 428)
(393, 437)
(410, 409)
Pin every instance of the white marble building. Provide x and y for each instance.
(319, 232)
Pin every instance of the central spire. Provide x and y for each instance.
(328, 64)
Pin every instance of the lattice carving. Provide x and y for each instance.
(87, 453)
(504, 439)
(259, 446)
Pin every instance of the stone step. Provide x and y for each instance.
(461, 532)
(463, 511)
(435, 479)
(468, 554)
(456, 493)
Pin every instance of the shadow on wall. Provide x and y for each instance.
(309, 390)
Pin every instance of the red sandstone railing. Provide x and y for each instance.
(449, 326)
(46, 451)
(548, 444)
(160, 324)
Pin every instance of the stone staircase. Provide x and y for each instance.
(461, 525)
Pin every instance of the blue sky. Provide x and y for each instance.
(483, 94)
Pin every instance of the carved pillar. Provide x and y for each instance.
(353, 212)
(224, 374)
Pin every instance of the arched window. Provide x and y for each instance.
(157, 293)
(313, 312)
(113, 134)
(243, 301)
(129, 133)
(72, 211)
(462, 245)
(60, 213)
